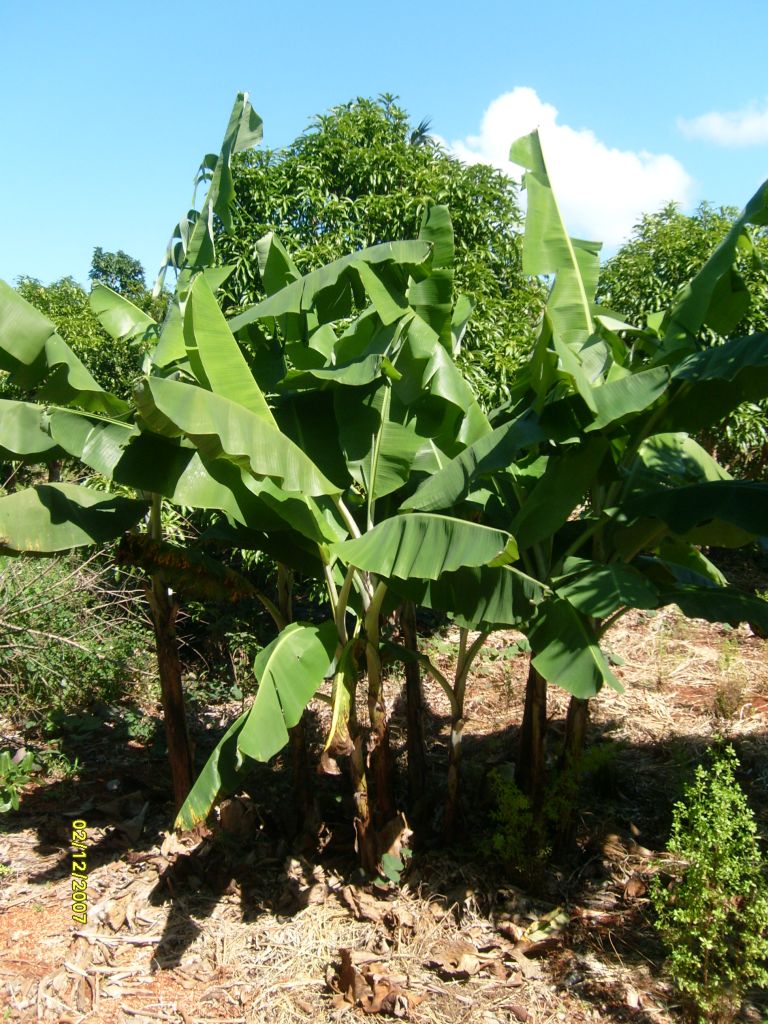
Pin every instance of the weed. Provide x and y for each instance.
(15, 772)
(714, 917)
(70, 637)
(522, 840)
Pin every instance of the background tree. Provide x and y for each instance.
(665, 251)
(120, 272)
(362, 174)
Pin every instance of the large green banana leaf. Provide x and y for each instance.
(565, 651)
(222, 775)
(379, 452)
(548, 249)
(221, 428)
(616, 400)
(451, 483)
(37, 358)
(289, 671)
(716, 296)
(708, 385)
(23, 433)
(150, 462)
(119, 317)
(481, 597)
(432, 387)
(192, 240)
(361, 352)
(276, 267)
(566, 480)
(432, 297)
(423, 546)
(330, 290)
(597, 590)
(57, 517)
(681, 562)
(739, 503)
(215, 356)
(718, 604)
(673, 460)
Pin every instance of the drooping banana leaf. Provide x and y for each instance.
(289, 671)
(708, 385)
(493, 451)
(221, 428)
(672, 460)
(432, 297)
(330, 290)
(222, 775)
(23, 433)
(423, 546)
(215, 356)
(617, 400)
(483, 597)
(379, 452)
(718, 604)
(716, 296)
(38, 359)
(597, 590)
(58, 517)
(737, 503)
(565, 651)
(119, 317)
(567, 477)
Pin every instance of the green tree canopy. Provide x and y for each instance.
(362, 174)
(118, 271)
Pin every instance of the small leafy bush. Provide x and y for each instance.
(713, 919)
(14, 773)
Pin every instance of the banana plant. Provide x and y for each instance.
(355, 363)
(594, 470)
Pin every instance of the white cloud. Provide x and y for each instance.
(747, 127)
(602, 192)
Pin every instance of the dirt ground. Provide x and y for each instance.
(235, 925)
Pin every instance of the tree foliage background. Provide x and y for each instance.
(363, 174)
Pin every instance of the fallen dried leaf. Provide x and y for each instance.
(455, 958)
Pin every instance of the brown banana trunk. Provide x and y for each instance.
(529, 773)
(163, 611)
(364, 831)
(454, 778)
(414, 697)
(380, 753)
(568, 767)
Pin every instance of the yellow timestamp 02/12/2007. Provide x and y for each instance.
(79, 872)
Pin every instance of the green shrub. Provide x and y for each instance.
(714, 917)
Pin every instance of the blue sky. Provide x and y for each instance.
(106, 110)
